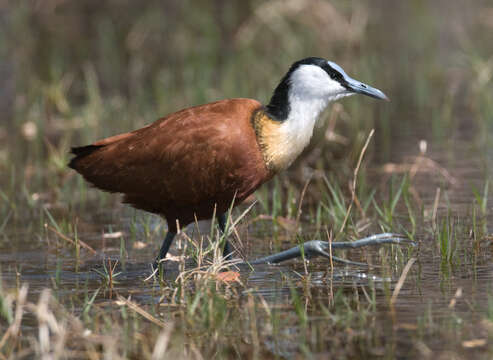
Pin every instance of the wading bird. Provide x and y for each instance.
(195, 162)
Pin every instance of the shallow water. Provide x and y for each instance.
(130, 68)
(43, 260)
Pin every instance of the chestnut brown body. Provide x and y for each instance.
(201, 160)
(183, 165)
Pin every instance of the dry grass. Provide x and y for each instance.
(73, 72)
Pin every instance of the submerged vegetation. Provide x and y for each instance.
(75, 264)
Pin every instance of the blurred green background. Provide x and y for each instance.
(76, 71)
(72, 72)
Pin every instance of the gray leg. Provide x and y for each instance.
(221, 219)
(164, 248)
(320, 248)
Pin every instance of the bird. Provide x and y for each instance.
(197, 162)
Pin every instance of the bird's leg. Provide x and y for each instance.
(221, 220)
(320, 248)
(164, 248)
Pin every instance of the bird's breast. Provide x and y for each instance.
(281, 142)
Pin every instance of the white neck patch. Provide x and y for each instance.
(311, 89)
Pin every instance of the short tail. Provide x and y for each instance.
(80, 153)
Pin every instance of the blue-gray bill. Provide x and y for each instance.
(357, 86)
(360, 88)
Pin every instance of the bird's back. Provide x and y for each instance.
(183, 164)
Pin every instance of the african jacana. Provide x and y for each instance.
(187, 164)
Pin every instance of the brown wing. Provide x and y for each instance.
(183, 164)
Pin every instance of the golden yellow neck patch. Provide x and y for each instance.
(280, 145)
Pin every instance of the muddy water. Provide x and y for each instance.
(41, 259)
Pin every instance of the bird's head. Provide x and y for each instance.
(316, 79)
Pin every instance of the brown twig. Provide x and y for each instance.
(66, 238)
(435, 209)
(329, 236)
(355, 178)
(401, 280)
(302, 196)
(15, 327)
(133, 306)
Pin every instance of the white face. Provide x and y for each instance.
(311, 81)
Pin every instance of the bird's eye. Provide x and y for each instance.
(363, 86)
(333, 73)
(336, 76)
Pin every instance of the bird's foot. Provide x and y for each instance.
(315, 248)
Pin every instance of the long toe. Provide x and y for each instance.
(399, 239)
(319, 248)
